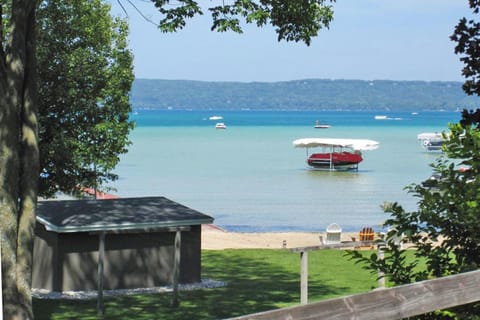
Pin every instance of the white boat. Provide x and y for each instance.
(319, 125)
(215, 118)
(336, 154)
(431, 141)
(381, 117)
(220, 125)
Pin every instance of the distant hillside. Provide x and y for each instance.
(301, 95)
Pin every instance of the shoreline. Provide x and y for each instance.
(216, 238)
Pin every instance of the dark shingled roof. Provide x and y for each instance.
(116, 214)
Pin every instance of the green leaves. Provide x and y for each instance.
(293, 20)
(175, 17)
(85, 71)
(467, 37)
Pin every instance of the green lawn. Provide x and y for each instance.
(257, 280)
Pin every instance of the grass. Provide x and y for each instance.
(258, 280)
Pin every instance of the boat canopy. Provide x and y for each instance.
(355, 144)
(434, 136)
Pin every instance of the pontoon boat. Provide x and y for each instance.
(336, 154)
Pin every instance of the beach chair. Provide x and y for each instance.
(334, 234)
(366, 234)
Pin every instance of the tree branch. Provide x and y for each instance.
(138, 11)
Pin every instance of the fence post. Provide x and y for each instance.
(304, 277)
(101, 257)
(381, 275)
(176, 267)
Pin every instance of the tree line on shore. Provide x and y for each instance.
(308, 94)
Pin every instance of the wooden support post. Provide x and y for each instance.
(304, 262)
(381, 275)
(101, 256)
(304, 277)
(176, 267)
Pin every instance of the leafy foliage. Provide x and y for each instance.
(293, 20)
(85, 72)
(467, 36)
(174, 18)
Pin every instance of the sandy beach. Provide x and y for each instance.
(215, 238)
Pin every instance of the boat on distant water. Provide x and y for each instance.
(319, 125)
(215, 118)
(431, 141)
(336, 154)
(381, 117)
(220, 125)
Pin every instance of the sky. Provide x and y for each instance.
(367, 40)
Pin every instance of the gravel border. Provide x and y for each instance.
(92, 294)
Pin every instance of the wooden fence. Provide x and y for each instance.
(304, 261)
(393, 303)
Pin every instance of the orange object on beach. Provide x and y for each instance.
(367, 234)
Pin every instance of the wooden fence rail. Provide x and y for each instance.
(393, 303)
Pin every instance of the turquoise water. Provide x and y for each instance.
(249, 177)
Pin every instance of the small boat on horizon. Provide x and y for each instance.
(381, 117)
(319, 125)
(215, 118)
(220, 125)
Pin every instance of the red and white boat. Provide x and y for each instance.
(335, 154)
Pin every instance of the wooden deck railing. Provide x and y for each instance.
(393, 303)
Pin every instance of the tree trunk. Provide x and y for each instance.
(19, 167)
